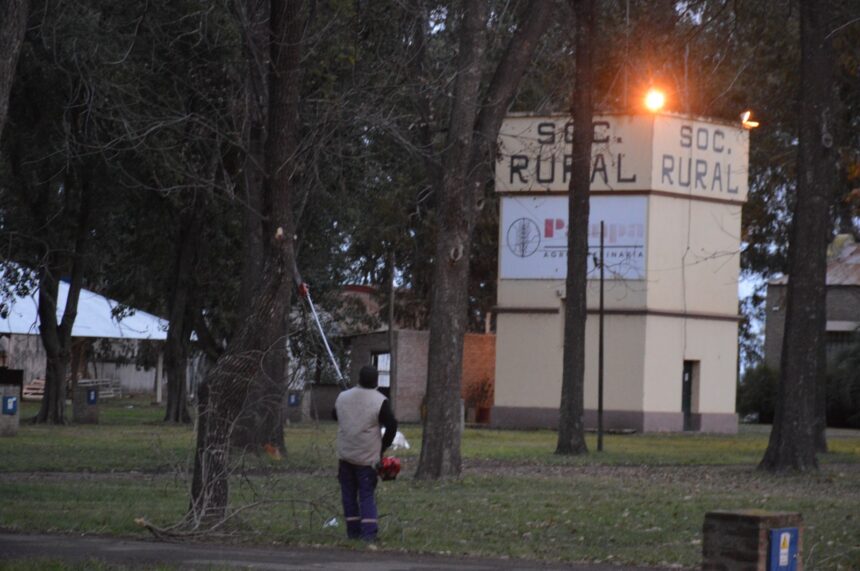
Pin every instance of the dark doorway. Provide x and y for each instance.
(687, 395)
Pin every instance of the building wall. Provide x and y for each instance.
(362, 347)
(412, 358)
(712, 346)
(643, 366)
(774, 324)
(410, 379)
(131, 378)
(685, 308)
(410, 375)
(843, 314)
(693, 247)
(624, 350)
(529, 361)
(27, 353)
(528, 368)
(547, 294)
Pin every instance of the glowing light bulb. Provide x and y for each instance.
(654, 100)
(746, 120)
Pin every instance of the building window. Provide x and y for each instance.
(382, 362)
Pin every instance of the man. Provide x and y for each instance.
(360, 412)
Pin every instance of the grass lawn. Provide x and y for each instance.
(642, 501)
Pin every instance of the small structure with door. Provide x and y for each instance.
(403, 378)
(118, 351)
(669, 190)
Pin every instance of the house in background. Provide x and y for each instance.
(402, 364)
(843, 302)
(112, 344)
(404, 378)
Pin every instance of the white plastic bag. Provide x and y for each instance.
(400, 442)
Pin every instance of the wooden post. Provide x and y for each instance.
(159, 369)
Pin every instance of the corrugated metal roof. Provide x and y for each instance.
(95, 317)
(844, 267)
(843, 263)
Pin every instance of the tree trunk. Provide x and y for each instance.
(13, 24)
(571, 429)
(258, 350)
(53, 407)
(821, 401)
(440, 450)
(182, 315)
(224, 392)
(57, 338)
(792, 444)
(255, 18)
(261, 420)
(458, 208)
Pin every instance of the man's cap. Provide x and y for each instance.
(368, 377)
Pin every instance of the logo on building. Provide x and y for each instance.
(523, 237)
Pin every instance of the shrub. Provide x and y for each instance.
(843, 388)
(757, 393)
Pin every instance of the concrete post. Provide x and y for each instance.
(10, 402)
(159, 372)
(85, 405)
(741, 540)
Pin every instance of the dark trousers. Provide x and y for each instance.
(357, 486)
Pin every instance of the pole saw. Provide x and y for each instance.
(389, 467)
(305, 292)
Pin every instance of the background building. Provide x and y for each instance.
(669, 189)
(109, 345)
(843, 303)
(406, 381)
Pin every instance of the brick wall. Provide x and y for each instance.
(479, 365)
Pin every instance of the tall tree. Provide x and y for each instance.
(467, 160)
(440, 450)
(792, 444)
(57, 337)
(174, 134)
(571, 429)
(53, 181)
(259, 347)
(12, 28)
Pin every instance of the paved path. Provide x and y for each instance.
(202, 556)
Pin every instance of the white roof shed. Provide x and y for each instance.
(94, 319)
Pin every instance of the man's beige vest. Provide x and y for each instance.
(359, 440)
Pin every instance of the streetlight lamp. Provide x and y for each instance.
(655, 100)
(746, 120)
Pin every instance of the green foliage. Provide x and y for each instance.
(757, 393)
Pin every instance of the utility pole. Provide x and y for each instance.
(600, 354)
